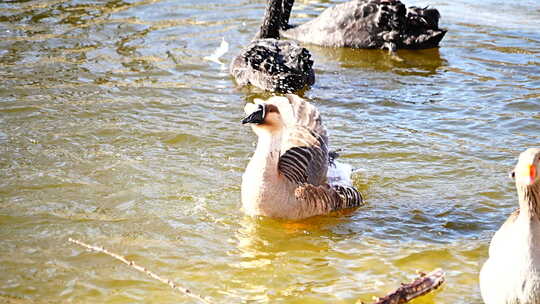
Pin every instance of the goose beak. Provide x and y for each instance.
(532, 174)
(255, 113)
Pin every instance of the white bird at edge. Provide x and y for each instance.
(220, 51)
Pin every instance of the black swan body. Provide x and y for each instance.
(370, 24)
(271, 64)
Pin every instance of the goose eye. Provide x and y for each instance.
(263, 109)
(512, 174)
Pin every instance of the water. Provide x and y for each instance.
(115, 130)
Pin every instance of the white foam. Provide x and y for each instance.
(340, 173)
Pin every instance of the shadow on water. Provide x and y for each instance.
(414, 62)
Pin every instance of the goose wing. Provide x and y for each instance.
(359, 24)
(325, 198)
(371, 24)
(304, 152)
(304, 157)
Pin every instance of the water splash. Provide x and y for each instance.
(339, 173)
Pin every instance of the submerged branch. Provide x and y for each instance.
(418, 287)
(141, 269)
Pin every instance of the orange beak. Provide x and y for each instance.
(532, 173)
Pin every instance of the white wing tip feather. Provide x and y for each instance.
(220, 51)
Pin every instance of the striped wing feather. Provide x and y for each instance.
(304, 152)
(325, 198)
(305, 159)
(350, 197)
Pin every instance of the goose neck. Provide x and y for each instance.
(272, 20)
(268, 144)
(529, 200)
(287, 6)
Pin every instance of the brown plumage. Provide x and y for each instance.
(512, 272)
(287, 175)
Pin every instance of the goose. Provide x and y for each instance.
(371, 24)
(272, 64)
(287, 175)
(512, 272)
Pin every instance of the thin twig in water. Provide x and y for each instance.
(418, 287)
(141, 269)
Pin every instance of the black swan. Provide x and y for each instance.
(372, 24)
(272, 64)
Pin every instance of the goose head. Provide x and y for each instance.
(262, 116)
(527, 170)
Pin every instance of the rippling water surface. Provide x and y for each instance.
(116, 131)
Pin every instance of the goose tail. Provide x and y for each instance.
(350, 197)
(325, 198)
(424, 40)
(423, 28)
(427, 18)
